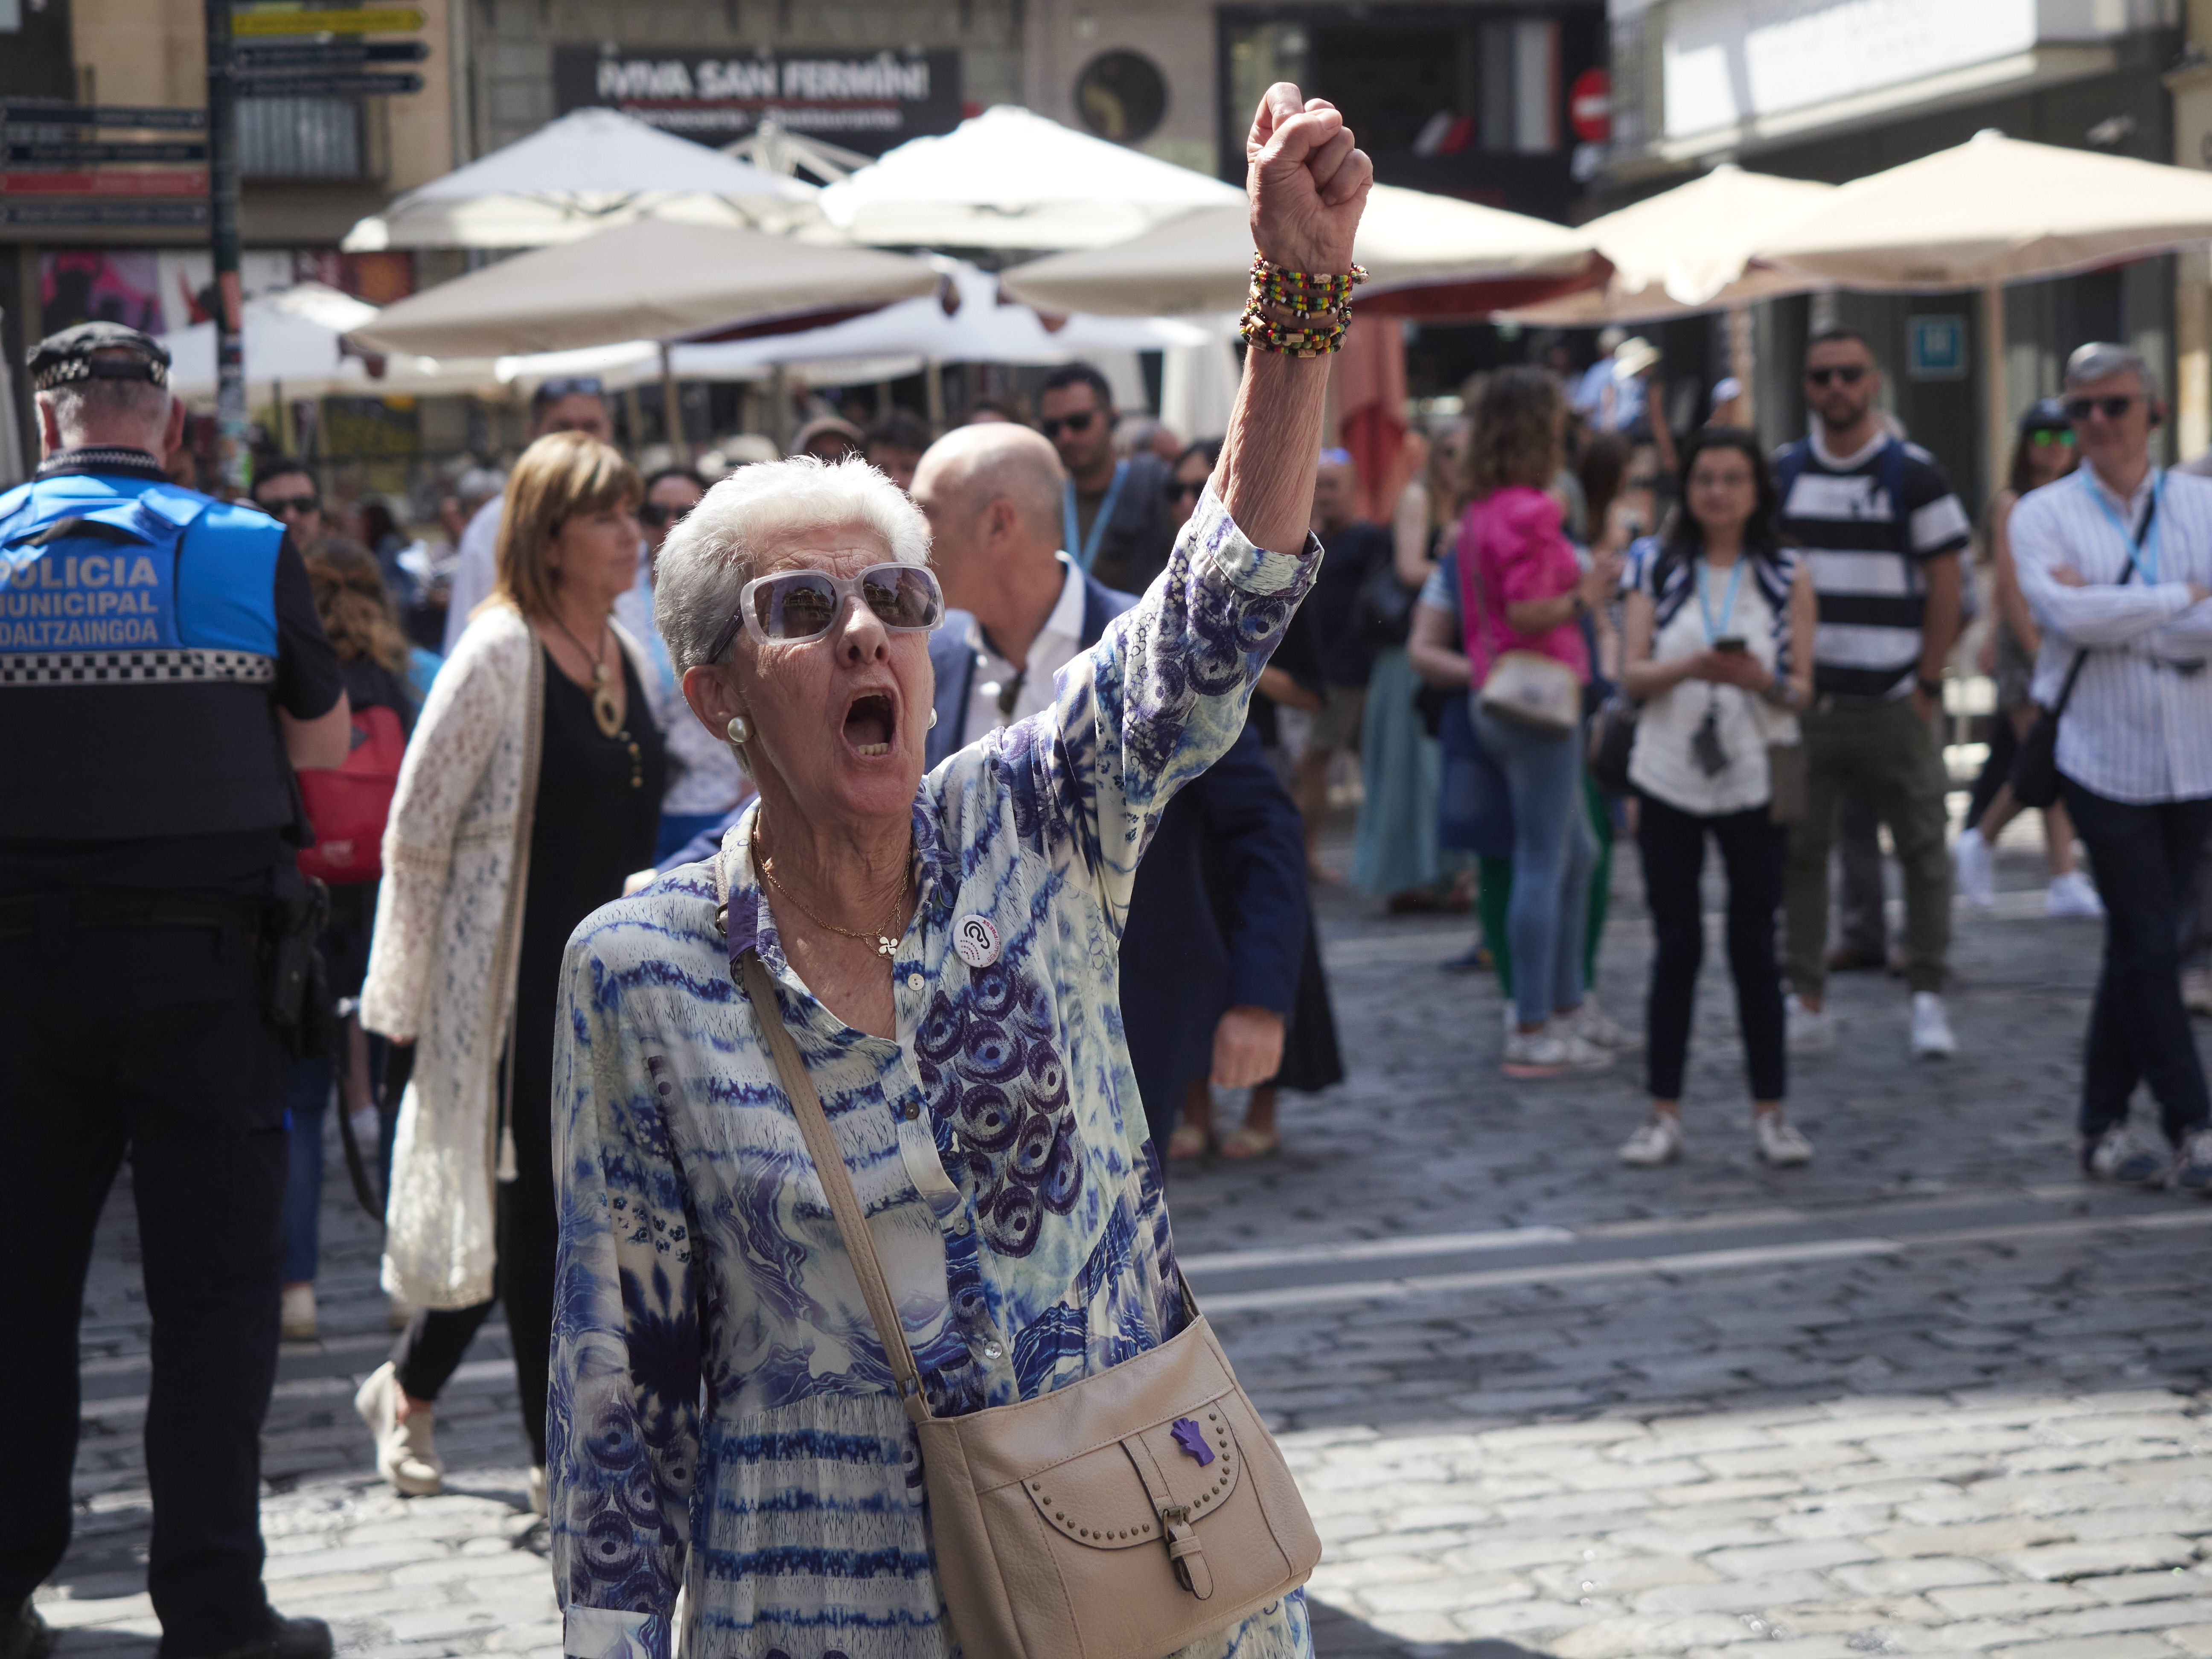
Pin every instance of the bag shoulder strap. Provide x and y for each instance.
(2073, 673)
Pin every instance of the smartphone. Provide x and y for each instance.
(1731, 643)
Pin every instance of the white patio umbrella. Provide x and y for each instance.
(652, 279)
(295, 344)
(1994, 209)
(1409, 239)
(1007, 179)
(578, 175)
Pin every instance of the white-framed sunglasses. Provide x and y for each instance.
(793, 606)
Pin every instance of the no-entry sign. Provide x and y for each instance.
(1589, 106)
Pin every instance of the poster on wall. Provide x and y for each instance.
(99, 285)
(864, 100)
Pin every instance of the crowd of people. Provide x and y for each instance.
(953, 802)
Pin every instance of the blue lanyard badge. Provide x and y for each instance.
(1715, 626)
(2145, 557)
(1086, 554)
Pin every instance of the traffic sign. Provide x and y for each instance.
(77, 215)
(284, 83)
(133, 183)
(57, 113)
(363, 19)
(35, 152)
(328, 54)
(1589, 106)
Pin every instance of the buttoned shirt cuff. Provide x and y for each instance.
(1214, 539)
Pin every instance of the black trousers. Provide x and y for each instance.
(1754, 851)
(2145, 857)
(149, 1042)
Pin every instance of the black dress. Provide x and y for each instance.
(596, 815)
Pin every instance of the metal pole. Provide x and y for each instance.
(673, 406)
(234, 457)
(1996, 396)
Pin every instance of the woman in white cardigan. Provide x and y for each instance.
(532, 789)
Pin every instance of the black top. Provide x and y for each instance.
(1347, 557)
(1135, 546)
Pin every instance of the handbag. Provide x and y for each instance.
(2035, 763)
(1124, 1516)
(1612, 740)
(1382, 614)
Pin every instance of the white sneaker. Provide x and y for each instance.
(1657, 1141)
(1552, 1052)
(1931, 1028)
(2072, 895)
(1779, 1143)
(404, 1453)
(1810, 1031)
(2197, 990)
(538, 1503)
(1975, 862)
(298, 1314)
(1600, 1030)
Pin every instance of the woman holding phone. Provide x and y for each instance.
(1719, 648)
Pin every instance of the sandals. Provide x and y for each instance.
(1248, 1144)
(1188, 1141)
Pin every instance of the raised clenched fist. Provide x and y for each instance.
(1307, 180)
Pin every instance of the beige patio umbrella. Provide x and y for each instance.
(652, 279)
(1687, 250)
(1409, 239)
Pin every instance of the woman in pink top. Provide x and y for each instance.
(1522, 588)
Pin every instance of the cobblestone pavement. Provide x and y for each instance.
(1930, 1394)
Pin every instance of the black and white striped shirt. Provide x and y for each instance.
(2139, 727)
(1867, 524)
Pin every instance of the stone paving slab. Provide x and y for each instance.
(1928, 1396)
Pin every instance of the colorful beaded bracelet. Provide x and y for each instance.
(1301, 292)
(1263, 332)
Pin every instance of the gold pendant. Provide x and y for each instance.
(605, 709)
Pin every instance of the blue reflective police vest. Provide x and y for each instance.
(137, 662)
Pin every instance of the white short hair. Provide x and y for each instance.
(720, 544)
(108, 411)
(2100, 360)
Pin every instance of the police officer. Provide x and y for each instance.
(162, 672)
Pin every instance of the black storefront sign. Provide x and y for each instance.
(866, 100)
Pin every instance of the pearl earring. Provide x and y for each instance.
(741, 729)
(933, 720)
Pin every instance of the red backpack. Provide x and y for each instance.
(347, 804)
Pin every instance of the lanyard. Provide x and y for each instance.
(2143, 554)
(1087, 554)
(1727, 606)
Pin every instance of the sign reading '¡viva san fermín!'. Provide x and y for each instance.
(865, 100)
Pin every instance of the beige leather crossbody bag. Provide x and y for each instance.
(1121, 1518)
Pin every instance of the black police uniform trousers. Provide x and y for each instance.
(153, 1042)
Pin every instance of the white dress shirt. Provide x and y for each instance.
(2139, 727)
(1056, 643)
(475, 570)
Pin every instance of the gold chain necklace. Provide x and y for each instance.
(606, 711)
(886, 943)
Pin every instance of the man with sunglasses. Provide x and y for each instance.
(287, 491)
(1113, 512)
(2115, 559)
(1882, 531)
(569, 404)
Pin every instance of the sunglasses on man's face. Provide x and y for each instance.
(1847, 373)
(794, 606)
(1079, 422)
(283, 506)
(2114, 407)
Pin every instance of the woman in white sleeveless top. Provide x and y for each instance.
(1719, 646)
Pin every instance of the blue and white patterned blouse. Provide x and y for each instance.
(998, 1147)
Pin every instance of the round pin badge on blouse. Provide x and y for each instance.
(976, 940)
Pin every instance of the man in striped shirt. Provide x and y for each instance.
(1881, 532)
(2115, 559)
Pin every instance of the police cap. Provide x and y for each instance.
(97, 351)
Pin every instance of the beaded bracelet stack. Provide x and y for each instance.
(1320, 309)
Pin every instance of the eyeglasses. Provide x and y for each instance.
(1079, 422)
(1181, 490)
(1847, 373)
(2114, 407)
(2053, 434)
(572, 386)
(283, 507)
(794, 606)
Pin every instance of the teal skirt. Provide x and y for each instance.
(1400, 769)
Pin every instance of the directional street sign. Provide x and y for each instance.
(135, 183)
(255, 83)
(35, 152)
(56, 112)
(327, 55)
(365, 20)
(75, 215)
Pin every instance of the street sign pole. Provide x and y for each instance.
(234, 457)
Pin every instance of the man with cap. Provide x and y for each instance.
(163, 672)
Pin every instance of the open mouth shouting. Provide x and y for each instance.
(871, 724)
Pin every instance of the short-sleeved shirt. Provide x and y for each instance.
(1867, 553)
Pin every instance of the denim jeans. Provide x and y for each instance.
(307, 1104)
(1554, 852)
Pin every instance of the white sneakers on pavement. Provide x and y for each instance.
(1600, 1030)
(1555, 1051)
(1779, 1143)
(1931, 1028)
(1810, 1030)
(1657, 1139)
(1974, 866)
(404, 1453)
(2072, 895)
(298, 1313)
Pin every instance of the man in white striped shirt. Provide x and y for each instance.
(2116, 561)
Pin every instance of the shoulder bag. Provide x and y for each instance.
(1527, 689)
(1124, 1516)
(1383, 612)
(2035, 763)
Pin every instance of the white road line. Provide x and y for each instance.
(1373, 1250)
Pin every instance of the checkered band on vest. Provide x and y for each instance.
(135, 667)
